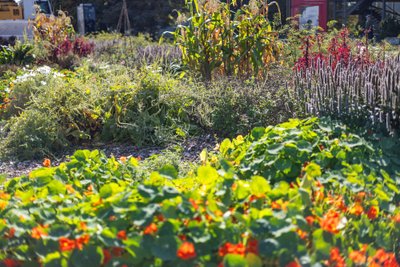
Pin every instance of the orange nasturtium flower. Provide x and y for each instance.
(122, 235)
(186, 251)
(336, 259)
(38, 232)
(151, 229)
(357, 209)
(229, 248)
(310, 220)
(330, 222)
(396, 218)
(66, 244)
(383, 258)
(123, 159)
(83, 240)
(358, 257)
(46, 162)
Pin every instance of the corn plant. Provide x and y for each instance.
(216, 40)
(350, 90)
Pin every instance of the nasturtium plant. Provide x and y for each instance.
(302, 193)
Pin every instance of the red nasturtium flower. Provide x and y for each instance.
(186, 251)
(229, 248)
(83, 240)
(106, 256)
(38, 232)
(310, 220)
(293, 264)
(11, 263)
(117, 251)
(151, 229)
(330, 222)
(46, 162)
(122, 234)
(252, 246)
(10, 233)
(66, 244)
(372, 213)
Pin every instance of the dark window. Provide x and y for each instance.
(44, 6)
(16, 12)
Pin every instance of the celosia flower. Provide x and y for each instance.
(66, 244)
(186, 251)
(151, 229)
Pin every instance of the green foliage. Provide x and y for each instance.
(94, 209)
(217, 41)
(19, 54)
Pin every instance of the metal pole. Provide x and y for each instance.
(383, 9)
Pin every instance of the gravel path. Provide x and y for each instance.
(191, 150)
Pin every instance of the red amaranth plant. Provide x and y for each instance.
(338, 51)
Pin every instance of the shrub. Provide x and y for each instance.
(217, 41)
(94, 211)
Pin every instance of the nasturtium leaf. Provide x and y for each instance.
(313, 170)
(234, 260)
(207, 175)
(268, 247)
(169, 172)
(257, 133)
(56, 187)
(253, 260)
(165, 248)
(88, 256)
(259, 186)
